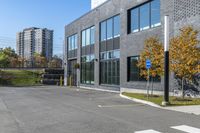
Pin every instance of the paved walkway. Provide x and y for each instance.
(186, 109)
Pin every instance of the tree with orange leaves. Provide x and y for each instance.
(185, 55)
(153, 50)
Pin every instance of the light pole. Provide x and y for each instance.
(166, 66)
(65, 63)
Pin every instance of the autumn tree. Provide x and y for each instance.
(56, 62)
(153, 50)
(185, 55)
(39, 60)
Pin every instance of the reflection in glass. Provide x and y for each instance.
(144, 17)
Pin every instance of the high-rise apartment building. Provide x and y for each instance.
(95, 3)
(35, 40)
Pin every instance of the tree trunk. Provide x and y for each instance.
(152, 87)
(182, 85)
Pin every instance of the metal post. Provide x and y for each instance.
(166, 65)
(148, 84)
(65, 63)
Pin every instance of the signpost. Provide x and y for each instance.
(148, 66)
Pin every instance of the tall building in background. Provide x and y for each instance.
(34, 40)
(95, 3)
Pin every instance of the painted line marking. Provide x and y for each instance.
(126, 105)
(147, 131)
(187, 129)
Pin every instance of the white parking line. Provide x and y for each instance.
(147, 131)
(124, 105)
(187, 129)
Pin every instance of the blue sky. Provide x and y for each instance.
(15, 15)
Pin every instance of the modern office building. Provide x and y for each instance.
(35, 40)
(108, 40)
(95, 3)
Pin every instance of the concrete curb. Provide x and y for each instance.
(141, 101)
(95, 89)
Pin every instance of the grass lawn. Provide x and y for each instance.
(20, 78)
(174, 101)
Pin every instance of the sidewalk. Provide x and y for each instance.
(190, 109)
(185, 109)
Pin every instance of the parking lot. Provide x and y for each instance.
(50, 109)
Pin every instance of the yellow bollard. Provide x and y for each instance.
(61, 81)
(70, 81)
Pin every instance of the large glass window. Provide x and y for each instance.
(155, 13)
(117, 26)
(103, 31)
(83, 38)
(92, 30)
(87, 60)
(134, 71)
(72, 42)
(69, 44)
(88, 36)
(110, 28)
(135, 20)
(145, 16)
(109, 67)
(110, 72)
(109, 59)
(75, 41)
(87, 69)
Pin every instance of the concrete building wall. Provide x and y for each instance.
(130, 44)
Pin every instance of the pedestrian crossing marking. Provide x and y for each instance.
(187, 129)
(147, 131)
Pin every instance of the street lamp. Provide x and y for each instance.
(166, 71)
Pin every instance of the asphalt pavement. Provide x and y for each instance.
(51, 109)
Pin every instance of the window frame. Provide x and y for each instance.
(90, 36)
(106, 27)
(71, 46)
(129, 70)
(129, 22)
